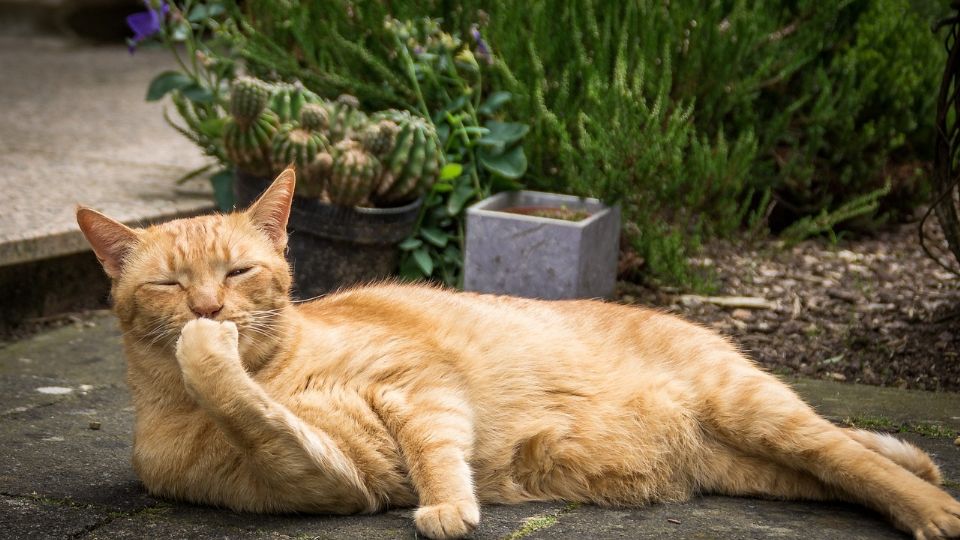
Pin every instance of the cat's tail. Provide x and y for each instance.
(900, 452)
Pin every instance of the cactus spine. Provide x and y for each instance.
(248, 134)
(353, 175)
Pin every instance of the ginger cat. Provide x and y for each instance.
(400, 395)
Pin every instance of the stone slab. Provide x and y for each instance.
(76, 129)
(62, 479)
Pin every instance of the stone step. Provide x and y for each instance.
(76, 130)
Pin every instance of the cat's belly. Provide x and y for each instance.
(640, 449)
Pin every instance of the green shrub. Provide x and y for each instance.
(697, 116)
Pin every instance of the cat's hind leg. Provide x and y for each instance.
(900, 452)
(728, 471)
(756, 413)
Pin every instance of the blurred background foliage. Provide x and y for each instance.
(702, 118)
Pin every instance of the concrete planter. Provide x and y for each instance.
(537, 257)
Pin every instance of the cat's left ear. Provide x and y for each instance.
(270, 212)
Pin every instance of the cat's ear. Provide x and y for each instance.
(111, 240)
(270, 212)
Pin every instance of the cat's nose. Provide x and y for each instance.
(208, 310)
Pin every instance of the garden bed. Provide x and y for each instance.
(872, 310)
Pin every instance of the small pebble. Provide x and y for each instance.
(94, 425)
(957, 441)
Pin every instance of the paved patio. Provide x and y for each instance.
(62, 479)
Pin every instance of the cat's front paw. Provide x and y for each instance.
(205, 346)
(447, 520)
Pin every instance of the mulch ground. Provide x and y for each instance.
(871, 310)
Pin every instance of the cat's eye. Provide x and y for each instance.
(239, 271)
(166, 283)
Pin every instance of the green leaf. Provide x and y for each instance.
(451, 171)
(409, 270)
(494, 102)
(423, 260)
(503, 133)
(222, 183)
(435, 236)
(166, 82)
(461, 194)
(198, 13)
(192, 174)
(196, 93)
(215, 9)
(511, 164)
(213, 127)
(442, 187)
(410, 244)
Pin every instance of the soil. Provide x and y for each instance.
(563, 212)
(870, 310)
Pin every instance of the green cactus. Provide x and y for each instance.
(248, 98)
(287, 100)
(315, 176)
(379, 138)
(314, 117)
(344, 118)
(294, 144)
(413, 163)
(353, 175)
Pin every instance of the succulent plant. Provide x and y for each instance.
(314, 117)
(287, 100)
(298, 145)
(413, 162)
(353, 175)
(344, 118)
(248, 134)
(380, 137)
(248, 97)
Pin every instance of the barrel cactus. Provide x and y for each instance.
(380, 137)
(288, 100)
(353, 175)
(248, 133)
(314, 117)
(296, 145)
(412, 164)
(345, 117)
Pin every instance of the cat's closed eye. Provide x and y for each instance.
(166, 283)
(239, 271)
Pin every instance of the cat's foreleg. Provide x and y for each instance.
(435, 434)
(296, 458)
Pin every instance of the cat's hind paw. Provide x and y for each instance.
(945, 523)
(447, 520)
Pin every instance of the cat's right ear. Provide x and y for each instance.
(271, 211)
(111, 240)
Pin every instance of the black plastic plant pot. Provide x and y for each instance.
(331, 247)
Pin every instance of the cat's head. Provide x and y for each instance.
(224, 267)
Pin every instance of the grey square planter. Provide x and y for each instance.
(538, 257)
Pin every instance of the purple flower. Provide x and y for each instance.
(483, 52)
(145, 23)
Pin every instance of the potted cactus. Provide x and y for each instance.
(360, 178)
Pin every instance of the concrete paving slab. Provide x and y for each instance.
(60, 478)
(28, 518)
(76, 129)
